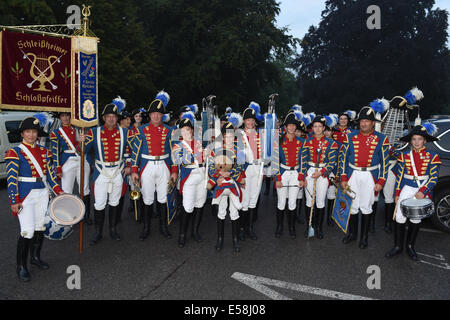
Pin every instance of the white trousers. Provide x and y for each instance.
(32, 216)
(389, 186)
(300, 194)
(289, 191)
(71, 171)
(253, 182)
(104, 185)
(234, 206)
(362, 183)
(406, 193)
(321, 189)
(331, 193)
(155, 177)
(194, 191)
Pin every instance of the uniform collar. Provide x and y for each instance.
(29, 145)
(420, 150)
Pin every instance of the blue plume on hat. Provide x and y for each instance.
(166, 117)
(379, 105)
(188, 115)
(306, 120)
(311, 116)
(431, 128)
(298, 115)
(235, 119)
(330, 121)
(335, 117)
(120, 103)
(142, 110)
(42, 118)
(255, 106)
(260, 117)
(413, 95)
(351, 114)
(193, 107)
(297, 107)
(164, 97)
(228, 110)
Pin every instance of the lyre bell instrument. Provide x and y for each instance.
(347, 190)
(135, 193)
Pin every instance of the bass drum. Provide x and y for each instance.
(63, 212)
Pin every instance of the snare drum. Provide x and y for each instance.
(63, 212)
(417, 209)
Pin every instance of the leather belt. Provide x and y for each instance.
(109, 164)
(363, 168)
(409, 177)
(288, 168)
(193, 166)
(321, 165)
(155, 158)
(257, 162)
(30, 179)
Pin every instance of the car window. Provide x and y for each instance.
(12, 129)
(445, 141)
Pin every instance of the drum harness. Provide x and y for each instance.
(416, 176)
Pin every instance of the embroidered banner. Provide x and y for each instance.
(35, 72)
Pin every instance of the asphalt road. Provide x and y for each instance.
(157, 269)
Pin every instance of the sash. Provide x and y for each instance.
(248, 147)
(69, 143)
(35, 163)
(188, 147)
(416, 176)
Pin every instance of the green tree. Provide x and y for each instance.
(343, 64)
(225, 48)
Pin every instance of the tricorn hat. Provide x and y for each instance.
(427, 130)
(32, 123)
(160, 103)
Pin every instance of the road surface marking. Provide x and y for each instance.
(260, 284)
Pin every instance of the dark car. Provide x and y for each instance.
(441, 217)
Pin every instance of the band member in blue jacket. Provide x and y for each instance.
(363, 165)
(29, 171)
(417, 174)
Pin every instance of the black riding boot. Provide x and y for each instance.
(299, 218)
(119, 210)
(352, 229)
(267, 189)
(113, 214)
(243, 220)
(163, 220)
(197, 219)
(280, 218)
(399, 239)
(146, 218)
(291, 223)
(87, 205)
(249, 224)
(411, 236)
(319, 223)
(372, 217)
(220, 234)
(364, 241)
(388, 215)
(214, 210)
(35, 252)
(99, 220)
(330, 213)
(184, 223)
(23, 245)
(234, 232)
